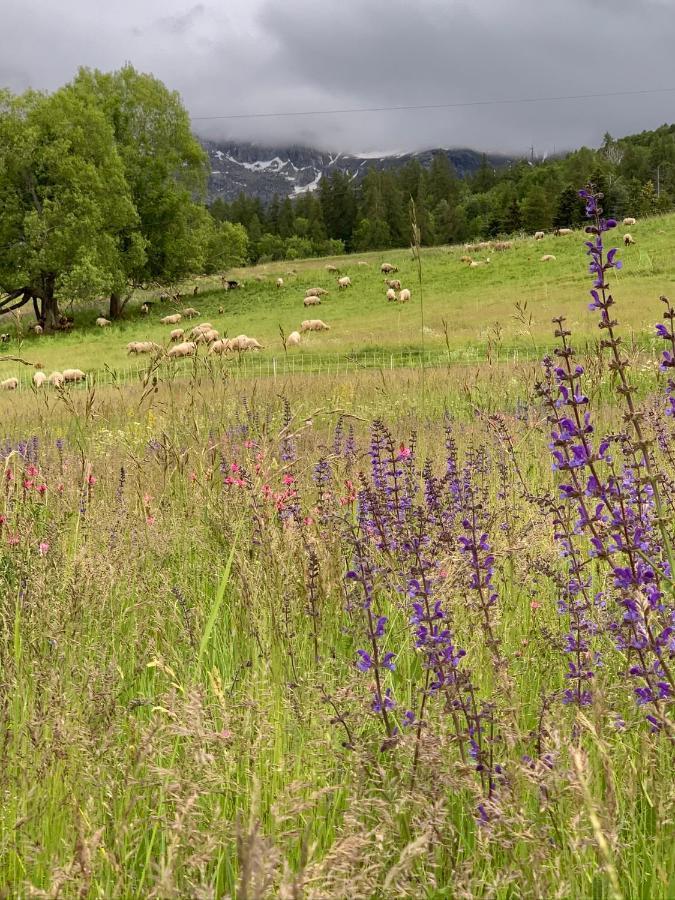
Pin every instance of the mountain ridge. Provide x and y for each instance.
(291, 170)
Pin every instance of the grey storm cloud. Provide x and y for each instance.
(240, 57)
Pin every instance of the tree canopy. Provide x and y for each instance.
(102, 187)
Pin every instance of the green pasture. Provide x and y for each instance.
(468, 312)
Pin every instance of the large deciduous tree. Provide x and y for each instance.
(164, 166)
(68, 227)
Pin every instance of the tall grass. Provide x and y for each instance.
(180, 709)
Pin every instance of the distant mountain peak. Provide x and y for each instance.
(288, 171)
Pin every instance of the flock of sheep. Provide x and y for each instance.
(498, 246)
(40, 379)
(186, 344)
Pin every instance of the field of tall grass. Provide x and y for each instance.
(399, 633)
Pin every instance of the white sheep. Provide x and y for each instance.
(311, 301)
(315, 292)
(200, 329)
(629, 220)
(404, 296)
(333, 269)
(207, 337)
(187, 348)
(221, 346)
(145, 309)
(548, 257)
(362, 262)
(387, 268)
(280, 282)
(344, 282)
(171, 320)
(391, 294)
(539, 235)
(293, 339)
(74, 375)
(314, 325)
(393, 283)
(103, 323)
(177, 335)
(56, 379)
(562, 232)
(39, 379)
(190, 312)
(143, 347)
(628, 239)
(38, 329)
(9, 384)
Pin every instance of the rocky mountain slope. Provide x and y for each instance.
(257, 171)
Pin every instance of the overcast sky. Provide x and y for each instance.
(250, 56)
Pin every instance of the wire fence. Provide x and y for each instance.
(262, 365)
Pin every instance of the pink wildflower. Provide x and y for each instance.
(43, 549)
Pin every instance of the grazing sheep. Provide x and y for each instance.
(163, 297)
(103, 323)
(220, 310)
(243, 342)
(391, 294)
(190, 312)
(314, 325)
(280, 282)
(404, 296)
(500, 246)
(38, 329)
(362, 262)
(293, 339)
(562, 232)
(311, 301)
(474, 264)
(315, 292)
(74, 375)
(548, 257)
(333, 269)
(207, 337)
(201, 329)
(9, 384)
(177, 335)
(628, 239)
(187, 348)
(393, 283)
(56, 379)
(143, 347)
(221, 346)
(629, 220)
(387, 268)
(5, 338)
(171, 320)
(465, 259)
(539, 235)
(39, 379)
(145, 309)
(344, 282)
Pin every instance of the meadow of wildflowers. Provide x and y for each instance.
(367, 645)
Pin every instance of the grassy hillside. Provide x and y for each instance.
(478, 305)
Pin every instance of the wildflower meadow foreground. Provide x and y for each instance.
(354, 638)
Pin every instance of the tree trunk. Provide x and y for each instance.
(50, 305)
(115, 306)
